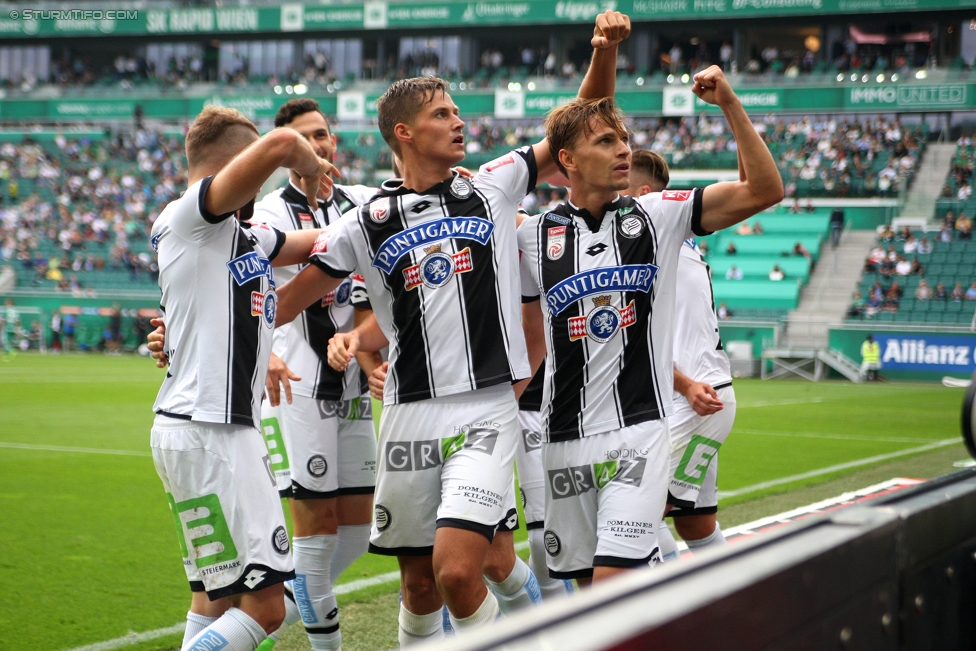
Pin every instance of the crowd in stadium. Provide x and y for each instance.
(85, 205)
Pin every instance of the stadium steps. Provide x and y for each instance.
(932, 171)
(840, 363)
(827, 295)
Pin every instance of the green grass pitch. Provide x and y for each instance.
(90, 550)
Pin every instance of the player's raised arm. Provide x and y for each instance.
(241, 179)
(610, 29)
(760, 185)
(310, 285)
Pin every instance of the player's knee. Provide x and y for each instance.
(418, 587)
(499, 563)
(454, 578)
(271, 615)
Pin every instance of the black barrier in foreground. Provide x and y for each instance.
(895, 573)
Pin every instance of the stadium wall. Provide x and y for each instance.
(672, 100)
(914, 353)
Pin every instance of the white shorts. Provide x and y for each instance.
(444, 462)
(221, 491)
(695, 443)
(605, 497)
(321, 448)
(528, 460)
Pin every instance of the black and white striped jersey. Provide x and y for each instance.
(441, 269)
(219, 305)
(304, 343)
(607, 285)
(531, 399)
(698, 351)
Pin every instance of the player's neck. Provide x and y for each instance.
(591, 199)
(421, 173)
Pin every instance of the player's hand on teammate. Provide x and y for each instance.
(320, 181)
(156, 342)
(463, 171)
(342, 349)
(377, 380)
(703, 399)
(279, 375)
(611, 28)
(712, 87)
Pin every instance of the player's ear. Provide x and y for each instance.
(644, 189)
(402, 133)
(567, 160)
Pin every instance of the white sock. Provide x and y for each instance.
(519, 590)
(233, 631)
(665, 540)
(292, 614)
(419, 628)
(550, 588)
(487, 613)
(313, 590)
(717, 539)
(194, 624)
(353, 543)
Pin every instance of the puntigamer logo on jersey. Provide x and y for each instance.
(249, 266)
(625, 278)
(422, 235)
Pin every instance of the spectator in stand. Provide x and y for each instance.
(971, 292)
(836, 226)
(795, 209)
(874, 304)
(730, 249)
(911, 244)
(776, 273)
(964, 192)
(903, 234)
(923, 292)
(734, 273)
(940, 293)
(924, 246)
(857, 307)
(723, 311)
(957, 293)
(886, 235)
(946, 192)
(801, 250)
(963, 223)
(745, 228)
(917, 268)
(945, 233)
(887, 268)
(966, 231)
(893, 297)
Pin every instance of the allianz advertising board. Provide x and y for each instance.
(924, 352)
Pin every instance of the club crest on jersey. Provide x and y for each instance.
(601, 280)
(422, 235)
(266, 306)
(556, 243)
(339, 296)
(437, 268)
(631, 227)
(249, 266)
(379, 209)
(603, 322)
(461, 187)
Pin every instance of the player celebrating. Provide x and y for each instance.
(439, 257)
(218, 297)
(704, 401)
(327, 465)
(607, 265)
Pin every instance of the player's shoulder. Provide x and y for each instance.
(661, 200)
(513, 163)
(354, 195)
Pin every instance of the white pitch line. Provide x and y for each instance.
(343, 588)
(838, 437)
(133, 638)
(836, 468)
(777, 403)
(61, 448)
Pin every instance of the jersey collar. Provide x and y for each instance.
(592, 222)
(293, 194)
(392, 187)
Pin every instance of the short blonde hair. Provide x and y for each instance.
(216, 134)
(566, 124)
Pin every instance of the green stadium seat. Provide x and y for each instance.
(885, 317)
(933, 317)
(902, 316)
(937, 306)
(954, 307)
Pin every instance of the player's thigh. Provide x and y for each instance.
(356, 448)
(632, 490)
(528, 460)
(310, 430)
(275, 442)
(570, 535)
(222, 492)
